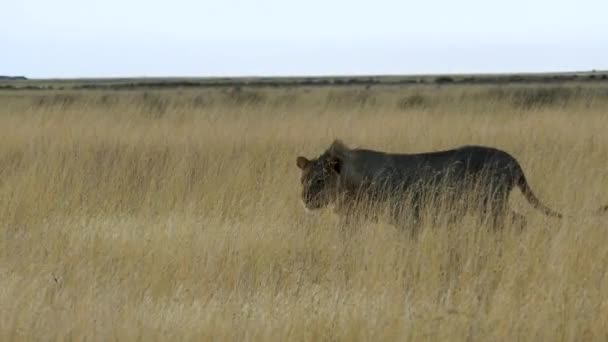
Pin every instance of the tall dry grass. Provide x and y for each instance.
(175, 215)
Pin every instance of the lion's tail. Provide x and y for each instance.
(523, 185)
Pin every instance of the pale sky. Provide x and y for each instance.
(133, 38)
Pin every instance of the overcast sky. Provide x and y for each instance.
(76, 38)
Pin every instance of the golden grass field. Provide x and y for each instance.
(176, 215)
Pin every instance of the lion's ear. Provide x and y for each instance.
(335, 165)
(302, 162)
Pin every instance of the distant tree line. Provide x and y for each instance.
(12, 78)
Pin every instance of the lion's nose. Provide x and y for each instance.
(307, 197)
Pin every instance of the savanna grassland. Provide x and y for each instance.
(176, 215)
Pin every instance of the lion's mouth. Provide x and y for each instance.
(308, 207)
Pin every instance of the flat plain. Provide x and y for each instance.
(175, 214)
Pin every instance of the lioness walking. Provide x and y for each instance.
(342, 177)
